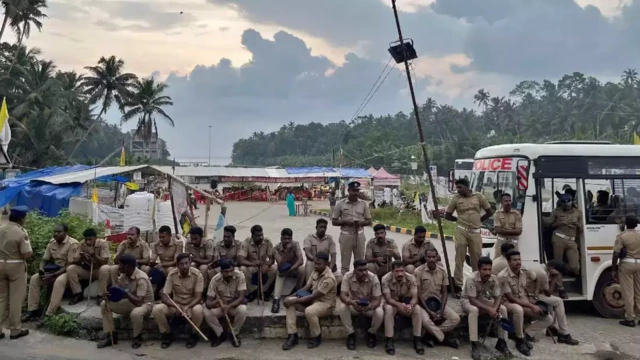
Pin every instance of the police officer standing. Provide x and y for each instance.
(566, 222)
(15, 249)
(352, 215)
(468, 206)
(629, 270)
(507, 225)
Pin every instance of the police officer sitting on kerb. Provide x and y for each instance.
(627, 250)
(15, 249)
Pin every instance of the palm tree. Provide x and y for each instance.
(629, 77)
(30, 14)
(482, 98)
(11, 9)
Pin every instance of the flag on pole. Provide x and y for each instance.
(636, 138)
(122, 157)
(94, 197)
(5, 129)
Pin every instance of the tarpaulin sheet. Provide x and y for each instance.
(47, 198)
(310, 170)
(354, 173)
(344, 172)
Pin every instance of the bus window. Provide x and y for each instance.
(552, 189)
(612, 200)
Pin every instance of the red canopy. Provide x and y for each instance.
(383, 174)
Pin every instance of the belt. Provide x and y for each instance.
(566, 237)
(12, 261)
(351, 232)
(515, 241)
(630, 260)
(468, 229)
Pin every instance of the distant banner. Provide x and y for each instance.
(259, 179)
(179, 194)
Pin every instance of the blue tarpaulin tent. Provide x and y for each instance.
(329, 171)
(48, 198)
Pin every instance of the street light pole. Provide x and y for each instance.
(209, 145)
(425, 154)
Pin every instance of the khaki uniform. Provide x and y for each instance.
(511, 220)
(398, 290)
(536, 290)
(412, 251)
(61, 254)
(315, 245)
(77, 272)
(263, 253)
(222, 252)
(500, 263)
(376, 250)
(14, 242)
(567, 225)
(516, 285)
(351, 240)
(368, 289)
(228, 292)
(291, 256)
(430, 284)
(468, 235)
(165, 256)
(109, 273)
(325, 283)
(201, 252)
(486, 293)
(184, 290)
(139, 285)
(629, 272)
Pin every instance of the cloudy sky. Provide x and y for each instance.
(253, 65)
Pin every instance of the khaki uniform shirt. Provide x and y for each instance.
(630, 239)
(412, 251)
(290, 255)
(227, 291)
(367, 289)
(376, 250)
(326, 284)
(326, 244)
(516, 284)
(566, 222)
(140, 251)
(500, 263)
(165, 253)
(252, 252)
(511, 220)
(184, 289)
(138, 284)
(484, 292)
(351, 211)
(200, 252)
(430, 282)
(222, 252)
(469, 209)
(399, 289)
(14, 241)
(100, 247)
(61, 254)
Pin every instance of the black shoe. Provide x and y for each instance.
(314, 342)
(528, 340)
(166, 340)
(417, 345)
(562, 294)
(371, 340)
(522, 347)
(567, 339)
(629, 323)
(1, 335)
(108, 340)
(192, 341)
(351, 341)
(450, 341)
(475, 351)
(275, 308)
(217, 340)
(388, 346)
(22, 333)
(502, 347)
(77, 298)
(137, 342)
(291, 342)
(427, 340)
(31, 316)
(237, 342)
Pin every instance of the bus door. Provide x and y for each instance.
(548, 192)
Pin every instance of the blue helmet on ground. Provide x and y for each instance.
(51, 268)
(116, 294)
(506, 325)
(302, 293)
(254, 278)
(433, 304)
(156, 276)
(284, 267)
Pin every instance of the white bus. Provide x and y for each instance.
(601, 172)
(462, 169)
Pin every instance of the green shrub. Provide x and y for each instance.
(63, 324)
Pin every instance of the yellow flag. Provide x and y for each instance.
(5, 129)
(94, 197)
(4, 113)
(636, 138)
(122, 157)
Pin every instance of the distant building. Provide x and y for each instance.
(154, 149)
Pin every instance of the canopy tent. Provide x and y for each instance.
(372, 171)
(383, 178)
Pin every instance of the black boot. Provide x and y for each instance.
(427, 340)
(107, 341)
(567, 339)
(417, 345)
(528, 340)
(351, 341)
(22, 333)
(291, 342)
(629, 323)
(275, 308)
(237, 342)
(192, 341)
(450, 341)
(166, 340)
(137, 342)
(314, 342)
(31, 316)
(502, 347)
(475, 352)
(77, 298)
(521, 346)
(389, 348)
(371, 340)
(217, 340)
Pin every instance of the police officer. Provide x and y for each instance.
(91, 255)
(414, 250)
(629, 269)
(566, 222)
(165, 250)
(256, 254)
(468, 205)
(319, 242)
(201, 251)
(15, 249)
(227, 248)
(507, 224)
(500, 263)
(352, 215)
(320, 303)
(380, 251)
(289, 260)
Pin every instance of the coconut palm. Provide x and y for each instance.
(146, 103)
(11, 9)
(30, 14)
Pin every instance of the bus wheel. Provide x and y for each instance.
(607, 297)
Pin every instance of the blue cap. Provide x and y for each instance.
(19, 210)
(354, 185)
(565, 198)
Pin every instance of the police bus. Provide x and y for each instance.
(462, 169)
(605, 178)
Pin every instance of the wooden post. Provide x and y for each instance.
(173, 208)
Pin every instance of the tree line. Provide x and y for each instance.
(576, 107)
(58, 117)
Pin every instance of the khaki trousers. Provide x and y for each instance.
(35, 285)
(308, 271)
(351, 244)
(313, 313)
(248, 272)
(560, 246)
(464, 241)
(239, 315)
(13, 289)
(629, 274)
(75, 273)
(298, 274)
(160, 313)
(126, 308)
(540, 323)
(473, 314)
(376, 315)
(107, 274)
(389, 320)
(451, 320)
(380, 271)
(559, 313)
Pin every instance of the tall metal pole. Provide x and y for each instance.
(209, 145)
(425, 155)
